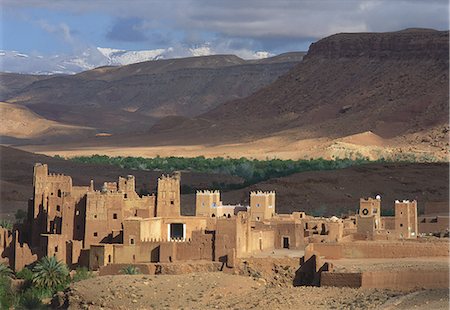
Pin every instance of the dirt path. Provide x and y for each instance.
(223, 291)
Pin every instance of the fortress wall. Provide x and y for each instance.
(380, 249)
(405, 280)
(434, 224)
(395, 280)
(341, 279)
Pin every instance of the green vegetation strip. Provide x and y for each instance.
(250, 170)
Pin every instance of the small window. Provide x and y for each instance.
(257, 204)
(109, 258)
(59, 193)
(58, 208)
(131, 241)
(115, 216)
(401, 212)
(257, 218)
(401, 225)
(95, 216)
(172, 202)
(125, 196)
(56, 249)
(203, 204)
(95, 234)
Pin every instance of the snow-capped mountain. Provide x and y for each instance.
(14, 61)
(123, 57)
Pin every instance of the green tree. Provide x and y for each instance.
(50, 273)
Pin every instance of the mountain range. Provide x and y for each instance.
(133, 97)
(90, 58)
(353, 94)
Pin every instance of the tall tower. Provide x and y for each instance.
(128, 186)
(369, 216)
(47, 212)
(406, 218)
(168, 198)
(205, 201)
(262, 205)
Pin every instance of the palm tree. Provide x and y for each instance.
(49, 272)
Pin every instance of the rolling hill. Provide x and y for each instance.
(133, 97)
(21, 124)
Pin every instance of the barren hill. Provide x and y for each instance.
(388, 83)
(132, 97)
(11, 83)
(19, 122)
(337, 192)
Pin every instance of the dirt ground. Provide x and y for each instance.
(223, 291)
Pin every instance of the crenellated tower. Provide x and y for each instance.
(205, 201)
(262, 205)
(168, 196)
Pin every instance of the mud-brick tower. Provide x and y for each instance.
(205, 201)
(406, 218)
(48, 211)
(262, 205)
(168, 197)
(369, 216)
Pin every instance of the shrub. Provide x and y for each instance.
(82, 273)
(31, 299)
(6, 224)
(7, 296)
(25, 274)
(5, 271)
(130, 270)
(50, 273)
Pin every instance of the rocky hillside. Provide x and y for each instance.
(391, 84)
(132, 97)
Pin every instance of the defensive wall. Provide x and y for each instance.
(395, 280)
(367, 249)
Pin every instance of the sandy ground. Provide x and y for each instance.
(283, 146)
(223, 291)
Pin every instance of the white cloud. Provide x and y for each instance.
(62, 30)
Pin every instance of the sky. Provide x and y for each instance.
(241, 27)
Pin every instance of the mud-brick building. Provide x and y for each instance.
(83, 226)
